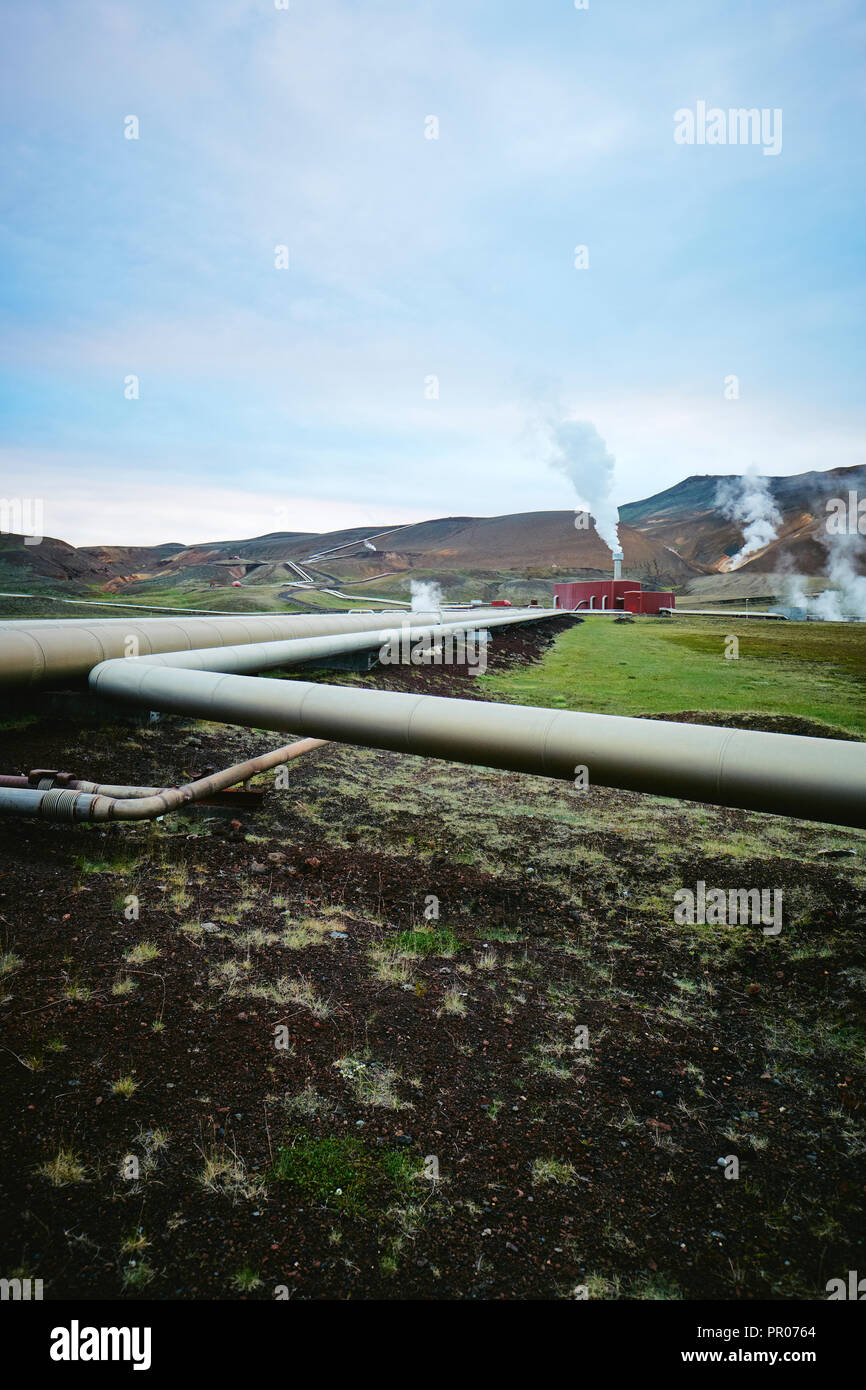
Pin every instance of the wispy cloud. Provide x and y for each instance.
(413, 259)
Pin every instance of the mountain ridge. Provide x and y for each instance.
(670, 538)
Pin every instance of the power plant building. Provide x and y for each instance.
(625, 595)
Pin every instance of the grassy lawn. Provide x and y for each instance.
(653, 666)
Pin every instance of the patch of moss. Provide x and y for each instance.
(343, 1173)
(435, 942)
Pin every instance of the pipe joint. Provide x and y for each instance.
(63, 805)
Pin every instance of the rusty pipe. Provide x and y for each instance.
(78, 800)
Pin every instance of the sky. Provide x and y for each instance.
(164, 376)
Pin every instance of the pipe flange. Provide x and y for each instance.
(42, 776)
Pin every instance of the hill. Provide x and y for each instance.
(680, 537)
(689, 519)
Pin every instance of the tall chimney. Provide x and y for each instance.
(617, 564)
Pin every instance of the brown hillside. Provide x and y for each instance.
(668, 539)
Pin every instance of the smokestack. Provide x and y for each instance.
(617, 564)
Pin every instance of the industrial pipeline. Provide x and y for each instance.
(813, 779)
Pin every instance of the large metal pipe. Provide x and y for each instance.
(814, 779)
(264, 656)
(34, 653)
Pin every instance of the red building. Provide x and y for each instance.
(625, 595)
(649, 600)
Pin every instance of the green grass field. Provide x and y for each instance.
(192, 590)
(657, 666)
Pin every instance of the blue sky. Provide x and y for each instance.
(295, 399)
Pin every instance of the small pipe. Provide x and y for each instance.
(58, 805)
(91, 801)
(724, 613)
(173, 798)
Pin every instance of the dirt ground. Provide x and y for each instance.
(422, 1031)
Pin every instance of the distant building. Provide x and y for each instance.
(626, 595)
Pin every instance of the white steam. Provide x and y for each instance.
(792, 589)
(747, 500)
(842, 571)
(847, 599)
(578, 450)
(425, 597)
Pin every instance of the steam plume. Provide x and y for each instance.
(848, 598)
(578, 450)
(425, 597)
(747, 501)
